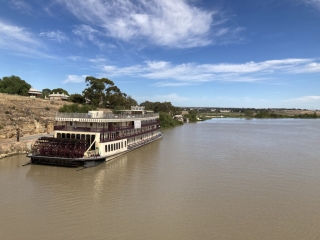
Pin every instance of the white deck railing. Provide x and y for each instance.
(106, 115)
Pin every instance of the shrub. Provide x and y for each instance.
(75, 108)
(6, 112)
(47, 108)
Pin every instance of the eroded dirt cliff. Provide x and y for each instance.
(27, 115)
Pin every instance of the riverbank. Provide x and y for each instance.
(10, 147)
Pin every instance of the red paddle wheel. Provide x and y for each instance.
(59, 147)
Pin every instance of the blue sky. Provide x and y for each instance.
(209, 53)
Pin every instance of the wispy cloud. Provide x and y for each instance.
(315, 3)
(193, 73)
(305, 99)
(75, 79)
(86, 32)
(75, 58)
(21, 5)
(164, 22)
(97, 60)
(55, 36)
(18, 40)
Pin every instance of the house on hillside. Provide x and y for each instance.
(34, 93)
(58, 96)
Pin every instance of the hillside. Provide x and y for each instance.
(29, 115)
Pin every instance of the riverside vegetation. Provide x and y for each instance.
(36, 115)
(30, 116)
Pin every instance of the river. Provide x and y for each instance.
(218, 179)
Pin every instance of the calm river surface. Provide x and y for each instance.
(219, 179)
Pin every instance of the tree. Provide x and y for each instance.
(14, 85)
(114, 97)
(59, 90)
(161, 107)
(46, 92)
(75, 108)
(77, 98)
(192, 115)
(95, 89)
(167, 121)
(248, 113)
(130, 102)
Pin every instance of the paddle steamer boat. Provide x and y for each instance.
(88, 139)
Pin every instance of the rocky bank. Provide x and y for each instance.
(25, 115)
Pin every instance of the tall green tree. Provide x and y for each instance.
(130, 102)
(115, 98)
(14, 85)
(95, 90)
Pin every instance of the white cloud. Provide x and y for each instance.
(193, 73)
(75, 79)
(312, 67)
(163, 22)
(21, 5)
(86, 32)
(305, 99)
(55, 36)
(18, 40)
(97, 60)
(75, 58)
(315, 3)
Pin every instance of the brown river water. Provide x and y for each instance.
(219, 179)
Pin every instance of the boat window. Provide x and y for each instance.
(78, 136)
(72, 136)
(106, 148)
(83, 137)
(90, 124)
(125, 143)
(58, 135)
(63, 135)
(111, 147)
(70, 123)
(121, 144)
(68, 135)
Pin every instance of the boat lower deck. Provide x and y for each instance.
(85, 162)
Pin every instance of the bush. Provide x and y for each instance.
(47, 108)
(1, 127)
(75, 108)
(6, 112)
(167, 121)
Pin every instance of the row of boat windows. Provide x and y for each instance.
(75, 136)
(114, 146)
(106, 124)
(91, 124)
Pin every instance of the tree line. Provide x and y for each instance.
(99, 92)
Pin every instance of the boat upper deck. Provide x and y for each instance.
(104, 117)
